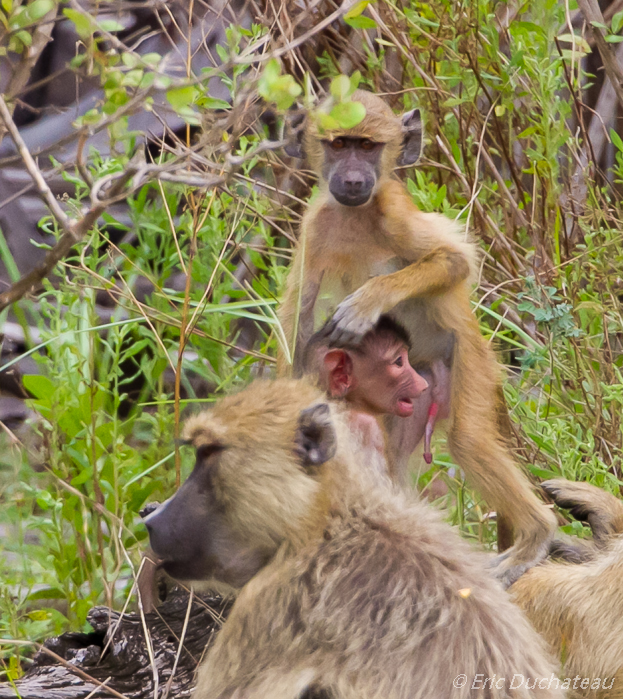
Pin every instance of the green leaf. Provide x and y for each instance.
(348, 114)
(47, 593)
(617, 22)
(355, 79)
(614, 39)
(83, 23)
(129, 59)
(152, 59)
(7, 6)
(581, 45)
(357, 10)
(272, 71)
(41, 387)
(37, 9)
(280, 89)
(181, 97)
(133, 78)
(340, 87)
(361, 22)
(615, 138)
(326, 122)
(214, 103)
(24, 37)
(110, 25)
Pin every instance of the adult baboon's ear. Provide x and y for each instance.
(294, 132)
(315, 438)
(412, 138)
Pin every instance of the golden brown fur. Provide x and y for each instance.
(388, 257)
(363, 592)
(578, 609)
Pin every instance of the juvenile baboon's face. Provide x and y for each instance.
(255, 482)
(352, 161)
(352, 167)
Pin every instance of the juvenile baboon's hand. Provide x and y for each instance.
(353, 318)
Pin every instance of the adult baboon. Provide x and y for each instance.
(578, 609)
(346, 583)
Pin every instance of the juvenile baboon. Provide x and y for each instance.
(578, 609)
(346, 584)
(366, 250)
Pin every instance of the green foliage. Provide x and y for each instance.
(277, 88)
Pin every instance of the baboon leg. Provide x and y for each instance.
(476, 447)
(588, 503)
(489, 466)
(505, 533)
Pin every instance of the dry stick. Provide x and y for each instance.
(76, 670)
(32, 167)
(73, 230)
(592, 13)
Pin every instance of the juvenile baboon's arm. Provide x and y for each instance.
(436, 273)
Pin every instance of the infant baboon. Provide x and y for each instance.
(578, 609)
(347, 585)
(374, 379)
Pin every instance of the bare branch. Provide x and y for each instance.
(31, 166)
(592, 13)
(74, 232)
(21, 75)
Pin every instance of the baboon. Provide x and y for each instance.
(347, 584)
(374, 379)
(578, 609)
(366, 250)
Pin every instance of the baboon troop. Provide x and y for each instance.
(347, 584)
(366, 250)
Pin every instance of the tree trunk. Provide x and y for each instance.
(116, 653)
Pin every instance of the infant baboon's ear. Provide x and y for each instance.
(315, 438)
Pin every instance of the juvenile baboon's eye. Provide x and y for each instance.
(398, 362)
(367, 144)
(337, 143)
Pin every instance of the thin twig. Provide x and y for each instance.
(180, 646)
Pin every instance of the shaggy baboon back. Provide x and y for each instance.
(346, 583)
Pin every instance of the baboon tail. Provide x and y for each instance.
(587, 503)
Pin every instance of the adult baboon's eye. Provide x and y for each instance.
(205, 451)
(367, 144)
(337, 143)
